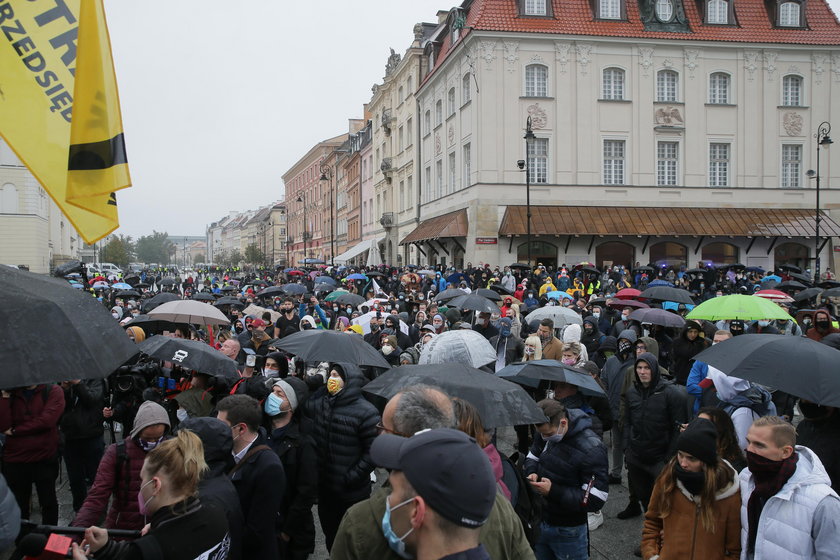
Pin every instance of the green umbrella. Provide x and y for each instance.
(335, 294)
(747, 308)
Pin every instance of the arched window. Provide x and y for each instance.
(719, 88)
(792, 91)
(536, 80)
(790, 14)
(666, 85)
(438, 112)
(717, 12)
(465, 88)
(541, 252)
(614, 253)
(792, 253)
(9, 200)
(668, 254)
(720, 253)
(664, 10)
(613, 84)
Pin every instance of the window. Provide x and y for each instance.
(400, 139)
(427, 122)
(717, 12)
(402, 196)
(719, 88)
(409, 86)
(666, 163)
(536, 80)
(613, 162)
(409, 129)
(465, 88)
(538, 160)
(664, 10)
(450, 99)
(9, 199)
(401, 94)
(427, 184)
(467, 165)
(792, 91)
(718, 165)
(666, 85)
(438, 112)
(535, 7)
(452, 172)
(791, 166)
(410, 200)
(789, 14)
(613, 87)
(609, 9)
(438, 179)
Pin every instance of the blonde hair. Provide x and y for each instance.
(535, 341)
(783, 432)
(573, 347)
(181, 459)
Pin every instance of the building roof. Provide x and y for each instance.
(453, 224)
(593, 220)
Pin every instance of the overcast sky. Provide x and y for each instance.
(219, 99)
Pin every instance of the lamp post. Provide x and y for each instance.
(301, 198)
(823, 140)
(525, 165)
(327, 175)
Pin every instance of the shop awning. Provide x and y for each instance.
(604, 220)
(453, 224)
(357, 250)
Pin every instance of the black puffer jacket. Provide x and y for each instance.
(653, 415)
(83, 404)
(570, 465)
(682, 354)
(344, 429)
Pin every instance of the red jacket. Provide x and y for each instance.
(125, 511)
(34, 420)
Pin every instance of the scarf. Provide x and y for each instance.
(769, 476)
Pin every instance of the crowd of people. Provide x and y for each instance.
(222, 468)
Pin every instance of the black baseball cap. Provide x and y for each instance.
(447, 469)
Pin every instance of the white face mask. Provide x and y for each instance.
(387, 349)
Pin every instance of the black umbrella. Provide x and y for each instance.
(128, 293)
(697, 271)
(324, 288)
(159, 299)
(474, 302)
(492, 295)
(375, 274)
(658, 317)
(643, 269)
(203, 296)
(833, 292)
(790, 285)
(132, 280)
(350, 299)
(271, 291)
(229, 289)
(499, 402)
(793, 364)
(228, 300)
(807, 294)
(294, 289)
(318, 345)
(141, 285)
(790, 268)
(190, 354)
(87, 342)
(666, 293)
(449, 293)
(804, 278)
(589, 270)
(828, 284)
(736, 266)
(499, 289)
(150, 325)
(551, 370)
(519, 265)
(167, 282)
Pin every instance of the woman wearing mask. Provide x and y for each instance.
(695, 507)
(439, 323)
(390, 350)
(727, 440)
(181, 527)
(533, 348)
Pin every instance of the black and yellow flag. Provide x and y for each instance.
(59, 106)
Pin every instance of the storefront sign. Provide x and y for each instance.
(486, 240)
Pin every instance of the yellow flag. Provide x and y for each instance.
(59, 108)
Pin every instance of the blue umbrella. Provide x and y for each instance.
(755, 269)
(122, 286)
(457, 277)
(660, 283)
(357, 276)
(558, 295)
(674, 306)
(327, 280)
(772, 278)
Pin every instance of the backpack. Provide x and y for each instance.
(525, 501)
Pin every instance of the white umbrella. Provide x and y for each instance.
(560, 315)
(189, 311)
(460, 346)
(364, 322)
(258, 311)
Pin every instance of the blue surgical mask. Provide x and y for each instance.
(273, 405)
(396, 543)
(505, 331)
(147, 446)
(553, 438)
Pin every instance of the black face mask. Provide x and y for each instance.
(823, 325)
(693, 481)
(374, 327)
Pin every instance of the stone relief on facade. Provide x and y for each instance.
(835, 66)
(488, 53)
(561, 50)
(538, 116)
(792, 122)
(374, 89)
(667, 64)
(537, 59)
(691, 56)
(645, 59)
(770, 64)
(750, 64)
(437, 144)
(818, 60)
(418, 31)
(393, 62)
(451, 135)
(510, 54)
(583, 52)
(668, 116)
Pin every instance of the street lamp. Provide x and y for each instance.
(525, 165)
(823, 141)
(326, 175)
(301, 199)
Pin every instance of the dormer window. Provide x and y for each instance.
(535, 8)
(717, 12)
(790, 14)
(664, 10)
(610, 9)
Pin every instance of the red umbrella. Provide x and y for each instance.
(627, 303)
(628, 293)
(775, 295)
(295, 273)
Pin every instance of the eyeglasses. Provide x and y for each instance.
(382, 429)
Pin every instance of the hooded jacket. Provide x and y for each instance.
(683, 352)
(684, 534)
(652, 415)
(82, 416)
(742, 400)
(593, 339)
(344, 429)
(571, 465)
(612, 374)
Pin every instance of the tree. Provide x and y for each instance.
(253, 254)
(155, 248)
(118, 250)
(198, 258)
(235, 258)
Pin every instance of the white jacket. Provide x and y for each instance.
(802, 521)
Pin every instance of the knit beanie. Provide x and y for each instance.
(700, 440)
(139, 334)
(149, 414)
(290, 392)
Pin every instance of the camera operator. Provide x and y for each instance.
(119, 473)
(126, 392)
(81, 427)
(181, 527)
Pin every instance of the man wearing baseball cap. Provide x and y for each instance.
(443, 490)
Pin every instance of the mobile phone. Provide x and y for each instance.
(251, 360)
